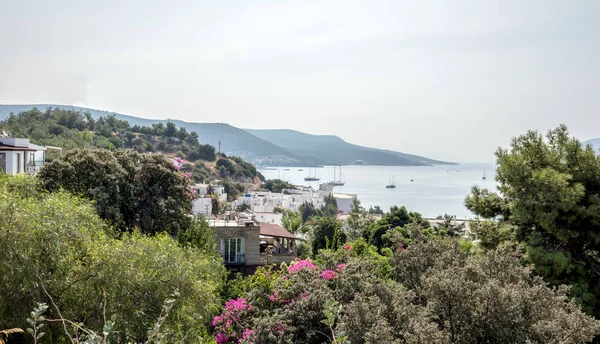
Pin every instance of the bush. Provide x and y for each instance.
(454, 298)
(58, 241)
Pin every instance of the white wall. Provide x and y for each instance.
(269, 218)
(11, 161)
(344, 202)
(199, 206)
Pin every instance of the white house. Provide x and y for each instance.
(344, 201)
(202, 206)
(19, 155)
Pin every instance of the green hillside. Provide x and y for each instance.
(234, 141)
(333, 149)
(71, 129)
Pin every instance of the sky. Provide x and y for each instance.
(451, 80)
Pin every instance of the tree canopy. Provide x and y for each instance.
(549, 199)
(129, 189)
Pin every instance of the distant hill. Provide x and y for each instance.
(277, 147)
(234, 141)
(333, 149)
(595, 143)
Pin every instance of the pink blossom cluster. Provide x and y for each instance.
(341, 267)
(275, 298)
(248, 335)
(328, 274)
(301, 264)
(347, 247)
(231, 314)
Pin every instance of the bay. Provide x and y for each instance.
(435, 190)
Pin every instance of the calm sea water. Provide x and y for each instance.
(436, 190)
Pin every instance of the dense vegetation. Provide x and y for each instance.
(525, 273)
(129, 189)
(56, 250)
(72, 129)
(277, 185)
(431, 292)
(550, 201)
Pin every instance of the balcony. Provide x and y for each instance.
(234, 259)
(33, 167)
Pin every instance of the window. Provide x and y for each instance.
(3, 162)
(233, 250)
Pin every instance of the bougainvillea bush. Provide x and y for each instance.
(448, 297)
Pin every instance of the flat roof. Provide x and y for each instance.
(16, 148)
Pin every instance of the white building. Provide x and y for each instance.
(19, 156)
(269, 218)
(202, 206)
(344, 201)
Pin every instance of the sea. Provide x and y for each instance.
(433, 191)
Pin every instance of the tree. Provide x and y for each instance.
(128, 189)
(292, 221)
(376, 210)
(307, 210)
(170, 129)
(327, 233)
(550, 190)
(358, 220)
(277, 185)
(449, 226)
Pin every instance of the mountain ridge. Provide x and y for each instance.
(252, 145)
(334, 149)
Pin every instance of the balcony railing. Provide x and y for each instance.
(234, 259)
(34, 167)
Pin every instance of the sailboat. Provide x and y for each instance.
(392, 185)
(484, 177)
(337, 182)
(411, 178)
(310, 178)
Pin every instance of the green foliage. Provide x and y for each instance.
(550, 202)
(449, 226)
(376, 210)
(276, 185)
(395, 223)
(128, 189)
(327, 233)
(57, 241)
(357, 221)
(292, 221)
(438, 294)
(308, 210)
(71, 129)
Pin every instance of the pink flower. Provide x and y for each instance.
(347, 247)
(302, 264)
(221, 338)
(217, 320)
(341, 267)
(248, 334)
(328, 274)
(274, 297)
(237, 305)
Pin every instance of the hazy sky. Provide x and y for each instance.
(446, 79)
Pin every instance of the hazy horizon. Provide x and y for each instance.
(445, 80)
